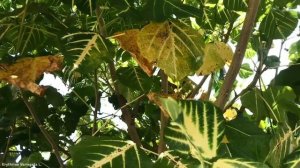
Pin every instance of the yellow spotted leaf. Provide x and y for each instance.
(26, 71)
(215, 56)
(175, 47)
(128, 41)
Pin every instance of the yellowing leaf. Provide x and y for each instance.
(174, 47)
(128, 41)
(25, 71)
(215, 56)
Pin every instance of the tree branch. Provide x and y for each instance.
(163, 119)
(197, 88)
(55, 148)
(210, 86)
(126, 113)
(239, 54)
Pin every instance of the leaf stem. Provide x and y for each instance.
(54, 146)
(239, 53)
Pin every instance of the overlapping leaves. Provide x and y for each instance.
(173, 46)
(97, 152)
(281, 145)
(87, 47)
(196, 127)
(275, 101)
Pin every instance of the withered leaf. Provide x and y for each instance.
(128, 41)
(215, 56)
(26, 71)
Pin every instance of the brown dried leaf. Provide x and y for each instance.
(26, 71)
(128, 41)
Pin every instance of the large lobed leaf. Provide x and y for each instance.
(196, 125)
(98, 152)
(86, 49)
(242, 132)
(128, 41)
(173, 46)
(278, 24)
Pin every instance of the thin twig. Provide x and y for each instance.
(239, 53)
(97, 102)
(227, 35)
(197, 88)
(259, 71)
(54, 146)
(8, 143)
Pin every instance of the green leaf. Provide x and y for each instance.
(277, 25)
(53, 97)
(176, 139)
(289, 77)
(237, 5)
(292, 160)
(246, 140)
(160, 10)
(237, 162)
(175, 47)
(284, 3)
(272, 61)
(225, 15)
(86, 48)
(294, 52)
(169, 159)
(245, 71)
(135, 78)
(33, 159)
(281, 144)
(201, 122)
(98, 152)
(275, 101)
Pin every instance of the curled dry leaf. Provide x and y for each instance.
(26, 71)
(128, 41)
(215, 56)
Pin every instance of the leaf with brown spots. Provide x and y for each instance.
(26, 71)
(128, 41)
